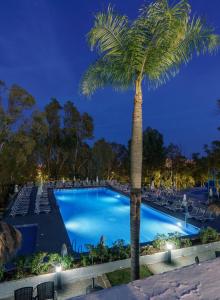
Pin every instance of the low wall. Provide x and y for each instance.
(70, 276)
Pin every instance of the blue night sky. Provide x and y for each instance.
(43, 48)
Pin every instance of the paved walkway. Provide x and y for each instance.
(78, 288)
(162, 267)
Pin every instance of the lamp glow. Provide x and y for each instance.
(58, 269)
(169, 246)
(179, 224)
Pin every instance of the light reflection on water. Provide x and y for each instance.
(90, 213)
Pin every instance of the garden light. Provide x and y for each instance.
(169, 247)
(58, 269)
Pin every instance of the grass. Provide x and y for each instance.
(123, 276)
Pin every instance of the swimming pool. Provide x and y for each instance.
(89, 213)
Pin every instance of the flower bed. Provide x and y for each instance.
(79, 273)
(42, 263)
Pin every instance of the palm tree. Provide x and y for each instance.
(10, 241)
(152, 48)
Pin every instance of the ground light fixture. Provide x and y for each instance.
(58, 269)
(169, 247)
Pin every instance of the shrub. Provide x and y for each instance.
(208, 235)
(99, 253)
(39, 263)
(174, 238)
(67, 262)
(147, 250)
(162, 239)
(119, 250)
(22, 264)
(85, 260)
(1, 272)
(186, 242)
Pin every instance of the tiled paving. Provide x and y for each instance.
(77, 288)
(180, 262)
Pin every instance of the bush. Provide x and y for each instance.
(67, 262)
(99, 253)
(147, 250)
(85, 260)
(162, 239)
(119, 250)
(1, 272)
(208, 235)
(186, 242)
(39, 263)
(22, 264)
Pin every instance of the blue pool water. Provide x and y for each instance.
(89, 213)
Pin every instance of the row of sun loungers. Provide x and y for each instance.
(173, 201)
(88, 183)
(125, 188)
(22, 202)
(76, 183)
(201, 214)
(42, 204)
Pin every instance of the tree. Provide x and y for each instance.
(103, 157)
(152, 47)
(153, 151)
(54, 140)
(77, 129)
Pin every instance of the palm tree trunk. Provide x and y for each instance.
(136, 174)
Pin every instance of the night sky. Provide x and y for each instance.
(43, 48)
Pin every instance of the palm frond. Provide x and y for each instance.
(108, 32)
(104, 73)
(153, 47)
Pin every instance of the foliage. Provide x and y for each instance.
(153, 46)
(21, 266)
(153, 151)
(67, 262)
(208, 235)
(161, 240)
(119, 250)
(101, 253)
(1, 272)
(148, 250)
(85, 260)
(123, 276)
(186, 242)
(39, 263)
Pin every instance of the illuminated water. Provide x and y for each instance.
(89, 213)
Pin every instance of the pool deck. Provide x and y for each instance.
(51, 230)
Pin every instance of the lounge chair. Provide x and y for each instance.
(201, 215)
(207, 216)
(176, 206)
(25, 293)
(193, 213)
